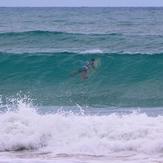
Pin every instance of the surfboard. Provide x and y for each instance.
(97, 66)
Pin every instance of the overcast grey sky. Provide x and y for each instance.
(68, 3)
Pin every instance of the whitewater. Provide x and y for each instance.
(64, 136)
(47, 115)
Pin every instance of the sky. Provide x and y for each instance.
(79, 3)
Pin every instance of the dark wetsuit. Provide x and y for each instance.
(84, 68)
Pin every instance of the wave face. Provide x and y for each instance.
(119, 79)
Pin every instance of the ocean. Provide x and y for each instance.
(49, 115)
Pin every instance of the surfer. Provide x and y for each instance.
(84, 70)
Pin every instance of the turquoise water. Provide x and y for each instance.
(41, 47)
(119, 80)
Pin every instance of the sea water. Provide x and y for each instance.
(46, 115)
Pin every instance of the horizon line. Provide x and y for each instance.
(79, 6)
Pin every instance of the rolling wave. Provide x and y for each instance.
(56, 32)
(33, 41)
(39, 32)
(119, 79)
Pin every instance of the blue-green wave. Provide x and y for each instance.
(119, 79)
(49, 41)
(38, 32)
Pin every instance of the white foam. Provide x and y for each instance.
(92, 51)
(80, 134)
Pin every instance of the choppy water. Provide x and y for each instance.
(46, 114)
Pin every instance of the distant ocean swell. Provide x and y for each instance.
(119, 79)
(47, 33)
(56, 35)
(33, 41)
